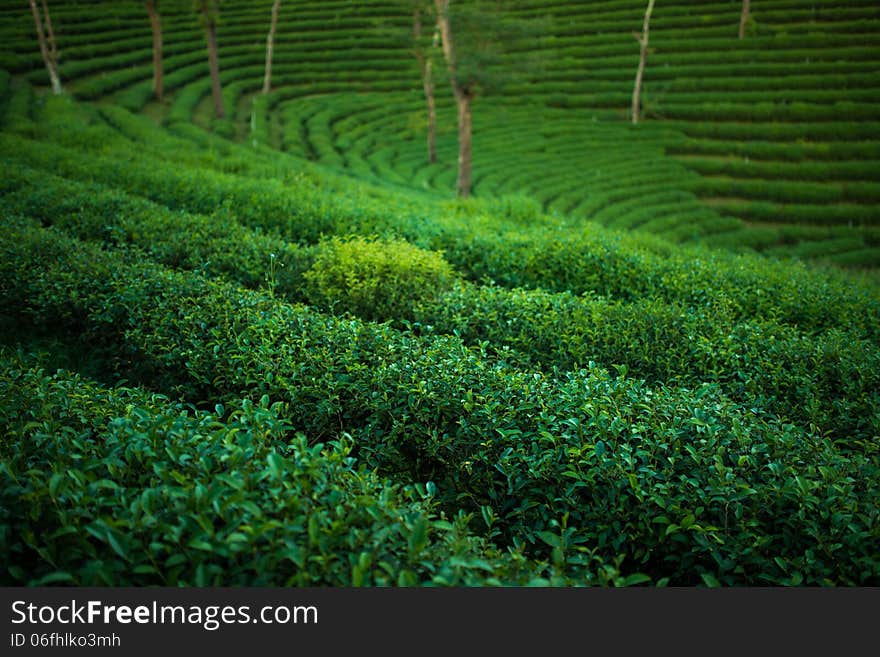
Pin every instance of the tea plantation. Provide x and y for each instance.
(274, 349)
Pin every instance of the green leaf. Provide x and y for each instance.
(64, 531)
(276, 464)
(314, 529)
(419, 536)
(635, 578)
(144, 569)
(201, 575)
(458, 562)
(488, 515)
(54, 578)
(357, 576)
(550, 538)
(198, 544)
(710, 580)
(54, 482)
(117, 547)
(176, 560)
(18, 573)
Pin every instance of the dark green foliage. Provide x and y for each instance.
(119, 487)
(543, 254)
(756, 361)
(676, 481)
(175, 238)
(497, 391)
(830, 381)
(482, 32)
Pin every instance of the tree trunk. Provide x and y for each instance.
(463, 100)
(156, 25)
(643, 54)
(446, 39)
(214, 66)
(432, 113)
(426, 68)
(463, 185)
(270, 47)
(50, 34)
(744, 19)
(48, 55)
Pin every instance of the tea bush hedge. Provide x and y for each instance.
(757, 361)
(287, 357)
(120, 487)
(678, 483)
(549, 255)
(376, 279)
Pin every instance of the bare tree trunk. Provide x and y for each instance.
(462, 99)
(213, 62)
(446, 39)
(432, 113)
(50, 34)
(270, 47)
(643, 54)
(426, 67)
(463, 184)
(49, 55)
(156, 25)
(744, 19)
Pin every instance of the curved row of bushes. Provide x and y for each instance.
(676, 483)
(825, 55)
(830, 380)
(544, 254)
(120, 487)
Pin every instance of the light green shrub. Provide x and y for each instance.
(376, 279)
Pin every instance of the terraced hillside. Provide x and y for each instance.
(273, 350)
(773, 138)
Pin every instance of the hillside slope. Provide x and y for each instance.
(773, 138)
(285, 356)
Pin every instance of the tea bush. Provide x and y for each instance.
(756, 361)
(547, 255)
(825, 108)
(678, 483)
(120, 487)
(830, 381)
(177, 239)
(375, 279)
(507, 393)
